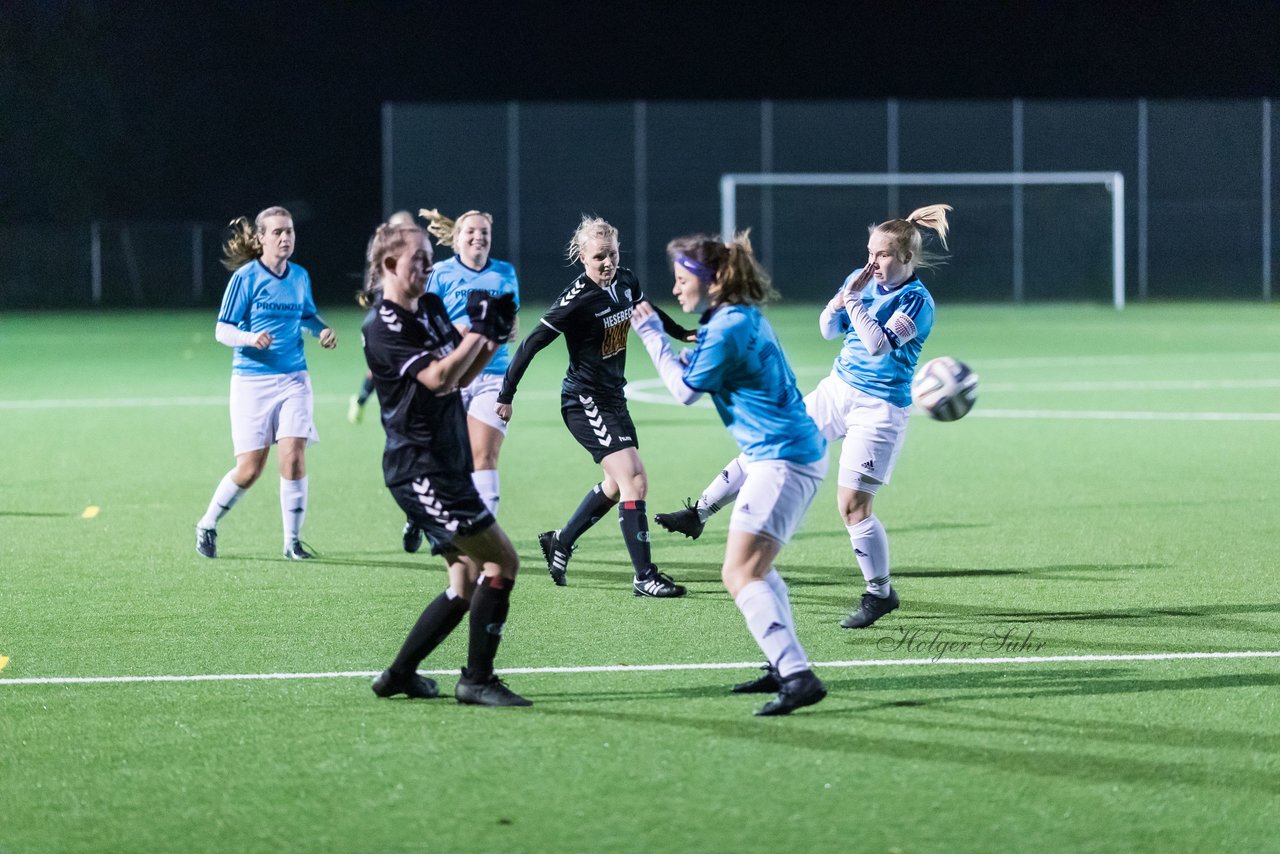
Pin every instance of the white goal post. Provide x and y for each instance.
(1112, 181)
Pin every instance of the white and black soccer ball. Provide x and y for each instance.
(944, 388)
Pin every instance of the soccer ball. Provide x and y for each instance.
(944, 388)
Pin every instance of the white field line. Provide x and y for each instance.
(646, 668)
(1105, 415)
(153, 402)
(653, 391)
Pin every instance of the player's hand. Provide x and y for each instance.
(853, 294)
(328, 338)
(504, 318)
(262, 342)
(503, 411)
(644, 320)
(478, 305)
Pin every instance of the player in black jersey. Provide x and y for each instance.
(594, 316)
(419, 361)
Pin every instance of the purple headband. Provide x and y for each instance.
(702, 271)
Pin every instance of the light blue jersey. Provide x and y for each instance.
(887, 376)
(739, 362)
(452, 280)
(257, 300)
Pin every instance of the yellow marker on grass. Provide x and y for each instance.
(4, 659)
(89, 512)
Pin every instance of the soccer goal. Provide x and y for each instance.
(1112, 182)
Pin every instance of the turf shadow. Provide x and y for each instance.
(1007, 756)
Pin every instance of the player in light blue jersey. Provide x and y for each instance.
(472, 269)
(266, 306)
(738, 361)
(883, 313)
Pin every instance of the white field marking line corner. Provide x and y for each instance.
(643, 668)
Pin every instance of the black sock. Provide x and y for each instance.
(489, 605)
(366, 389)
(635, 531)
(590, 511)
(438, 619)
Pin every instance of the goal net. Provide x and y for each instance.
(1020, 236)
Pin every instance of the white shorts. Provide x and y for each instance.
(269, 407)
(873, 430)
(480, 398)
(775, 496)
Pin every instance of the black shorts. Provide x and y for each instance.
(601, 427)
(444, 505)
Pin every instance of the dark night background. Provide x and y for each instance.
(200, 112)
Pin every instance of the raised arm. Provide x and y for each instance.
(675, 330)
(648, 325)
(448, 373)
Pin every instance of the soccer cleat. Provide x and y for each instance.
(411, 537)
(556, 556)
(296, 551)
(871, 609)
(797, 691)
(413, 686)
(355, 410)
(657, 585)
(487, 692)
(207, 541)
(683, 521)
(766, 683)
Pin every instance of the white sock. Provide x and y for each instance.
(224, 498)
(770, 625)
(779, 588)
(486, 481)
(871, 548)
(293, 507)
(722, 490)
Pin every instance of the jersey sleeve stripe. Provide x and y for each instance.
(412, 360)
(911, 305)
(543, 321)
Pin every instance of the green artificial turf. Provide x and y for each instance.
(1113, 493)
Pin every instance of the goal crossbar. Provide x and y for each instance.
(1113, 182)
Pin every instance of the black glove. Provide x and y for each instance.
(491, 316)
(504, 311)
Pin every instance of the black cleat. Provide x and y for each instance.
(870, 609)
(297, 551)
(413, 686)
(207, 542)
(657, 585)
(411, 537)
(556, 556)
(797, 691)
(488, 692)
(684, 521)
(766, 683)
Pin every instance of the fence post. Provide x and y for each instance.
(95, 262)
(197, 262)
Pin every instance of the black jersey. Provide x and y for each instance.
(595, 323)
(426, 432)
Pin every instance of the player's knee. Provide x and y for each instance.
(855, 507)
(735, 578)
(247, 472)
